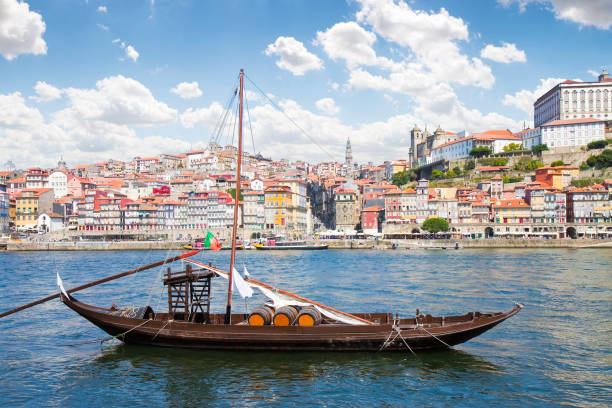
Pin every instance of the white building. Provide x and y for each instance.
(575, 100)
(572, 132)
(58, 181)
(530, 137)
(257, 184)
(496, 140)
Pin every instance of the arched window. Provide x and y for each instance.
(598, 99)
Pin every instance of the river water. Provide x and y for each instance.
(556, 352)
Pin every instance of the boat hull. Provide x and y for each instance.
(325, 337)
(291, 247)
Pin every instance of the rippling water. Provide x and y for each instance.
(556, 352)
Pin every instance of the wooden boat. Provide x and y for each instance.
(287, 322)
(385, 334)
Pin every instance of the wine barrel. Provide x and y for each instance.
(309, 316)
(261, 316)
(285, 316)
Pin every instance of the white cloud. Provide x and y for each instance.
(121, 101)
(350, 42)
(594, 73)
(597, 13)
(15, 114)
(116, 40)
(335, 86)
(327, 106)
(102, 27)
(21, 30)
(206, 117)
(187, 90)
(432, 37)
(294, 57)
(506, 54)
(46, 92)
(102, 9)
(130, 52)
(525, 98)
(96, 125)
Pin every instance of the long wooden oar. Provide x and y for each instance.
(97, 282)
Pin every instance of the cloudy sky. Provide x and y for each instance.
(93, 80)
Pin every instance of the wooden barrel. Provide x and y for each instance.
(261, 316)
(285, 316)
(309, 316)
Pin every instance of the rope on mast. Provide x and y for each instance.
(312, 139)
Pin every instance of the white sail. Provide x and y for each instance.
(283, 299)
(241, 286)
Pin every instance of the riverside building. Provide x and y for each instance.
(575, 100)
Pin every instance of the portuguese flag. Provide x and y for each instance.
(211, 242)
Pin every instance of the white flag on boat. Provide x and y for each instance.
(60, 285)
(240, 285)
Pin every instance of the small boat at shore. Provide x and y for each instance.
(289, 245)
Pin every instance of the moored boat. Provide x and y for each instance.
(289, 245)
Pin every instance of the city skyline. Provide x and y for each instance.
(93, 80)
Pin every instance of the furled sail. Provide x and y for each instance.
(281, 298)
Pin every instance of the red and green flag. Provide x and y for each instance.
(211, 242)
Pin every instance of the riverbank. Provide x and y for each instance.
(332, 243)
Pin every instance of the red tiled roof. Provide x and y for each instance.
(513, 203)
(491, 168)
(571, 121)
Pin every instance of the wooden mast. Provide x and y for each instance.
(228, 309)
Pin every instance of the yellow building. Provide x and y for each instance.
(278, 200)
(399, 166)
(30, 203)
(558, 177)
(514, 211)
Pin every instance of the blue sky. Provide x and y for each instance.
(93, 80)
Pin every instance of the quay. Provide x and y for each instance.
(382, 244)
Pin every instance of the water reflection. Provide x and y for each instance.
(191, 375)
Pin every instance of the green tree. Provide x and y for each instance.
(449, 174)
(557, 163)
(436, 175)
(403, 177)
(602, 161)
(512, 179)
(480, 151)
(539, 148)
(597, 144)
(435, 225)
(513, 147)
(232, 192)
(534, 164)
(469, 165)
(585, 182)
(493, 161)
(457, 171)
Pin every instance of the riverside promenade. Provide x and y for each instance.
(413, 244)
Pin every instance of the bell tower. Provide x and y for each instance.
(348, 156)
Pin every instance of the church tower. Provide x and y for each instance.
(416, 137)
(348, 157)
